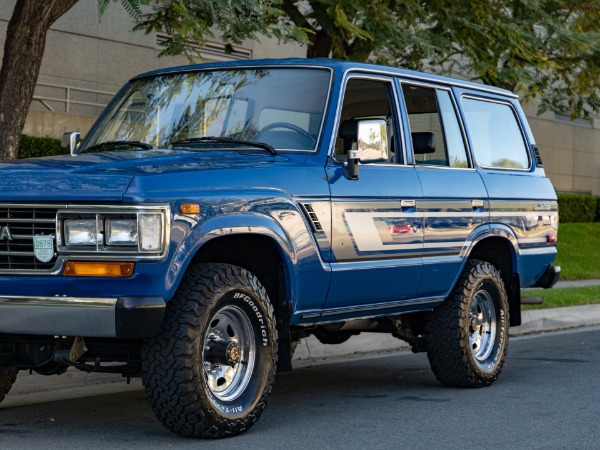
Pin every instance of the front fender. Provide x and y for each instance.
(278, 219)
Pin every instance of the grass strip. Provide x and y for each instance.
(555, 298)
(579, 251)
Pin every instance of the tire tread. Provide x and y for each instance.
(168, 360)
(447, 334)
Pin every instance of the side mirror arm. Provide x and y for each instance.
(352, 165)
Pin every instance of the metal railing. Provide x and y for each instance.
(67, 100)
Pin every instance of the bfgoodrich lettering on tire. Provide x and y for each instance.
(467, 336)
(210, 370)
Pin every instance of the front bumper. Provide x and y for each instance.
(121, 318)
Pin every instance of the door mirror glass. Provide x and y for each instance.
(372, 140)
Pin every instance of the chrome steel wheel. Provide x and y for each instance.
(229, 353)
(467, 336)
(482, 326)
(215, 357)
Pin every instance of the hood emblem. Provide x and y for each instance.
(5, 234)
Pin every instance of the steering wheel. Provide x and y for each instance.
(289, 126)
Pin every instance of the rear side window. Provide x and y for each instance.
(495, 134)
(436, 135)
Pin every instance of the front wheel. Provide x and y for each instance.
(210, 370)
(467, 336)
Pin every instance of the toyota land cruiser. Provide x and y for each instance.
(217, 214)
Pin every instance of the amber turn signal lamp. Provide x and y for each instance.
(189, 208)
(98, 269)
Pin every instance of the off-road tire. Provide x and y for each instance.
(7, 379)
(175, 378)
(452, 330)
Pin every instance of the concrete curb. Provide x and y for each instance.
(534, 321)
(576, 283)
(552, 319)
(75, 384)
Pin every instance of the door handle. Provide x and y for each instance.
(407, 203)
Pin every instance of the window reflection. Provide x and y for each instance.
(282, 107)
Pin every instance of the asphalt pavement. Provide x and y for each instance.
(547, 397)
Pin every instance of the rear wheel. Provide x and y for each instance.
(467, 336)
(210, 370)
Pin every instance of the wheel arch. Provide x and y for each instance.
(257, 253)
(202, 238)
(266, 251)
(499, 249)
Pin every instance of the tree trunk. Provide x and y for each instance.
(23, 52)
(320, 46)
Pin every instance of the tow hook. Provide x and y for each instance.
(69, 354)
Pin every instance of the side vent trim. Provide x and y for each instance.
(538, 157)
(312, 217)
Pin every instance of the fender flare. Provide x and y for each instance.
(238, 223)
(493, 230)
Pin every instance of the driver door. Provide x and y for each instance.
(377, 234)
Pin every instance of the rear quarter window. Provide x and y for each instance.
(495, 133)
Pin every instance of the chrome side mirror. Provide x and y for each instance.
(70, 142)
(372, 140)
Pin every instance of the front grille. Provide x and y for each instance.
(18, 225)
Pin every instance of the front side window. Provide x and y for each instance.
(435, 131)
(495, 134)
(368, 102)
(281, 107)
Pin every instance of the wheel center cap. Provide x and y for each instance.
(233, 353)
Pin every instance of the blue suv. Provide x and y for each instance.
(217, 214)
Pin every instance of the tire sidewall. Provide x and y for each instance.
(493, 363)
(256, 311)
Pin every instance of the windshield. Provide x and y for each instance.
(280, 107)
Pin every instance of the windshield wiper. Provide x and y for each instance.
(224, 140)
(109, 144)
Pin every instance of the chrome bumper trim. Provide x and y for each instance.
(58, 316)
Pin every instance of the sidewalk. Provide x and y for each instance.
(73, 384)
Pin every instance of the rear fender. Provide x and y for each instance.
(494, 230)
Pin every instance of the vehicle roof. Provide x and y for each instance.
(334, 64)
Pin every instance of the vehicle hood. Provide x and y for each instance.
(106, 176)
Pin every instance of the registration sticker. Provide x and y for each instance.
(43, 247)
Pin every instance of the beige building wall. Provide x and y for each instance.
(570, 151)
(54, 124)
(88, 59)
